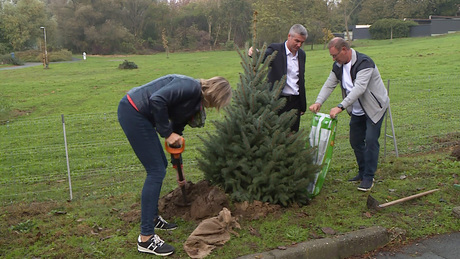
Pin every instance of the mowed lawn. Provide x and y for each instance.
(422, 74)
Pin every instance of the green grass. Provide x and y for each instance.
(37, 221)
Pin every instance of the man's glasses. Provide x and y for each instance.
(335, 55)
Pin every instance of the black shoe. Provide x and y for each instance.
(154, 246)
(366, 185)
(357, 178)
(160, 223)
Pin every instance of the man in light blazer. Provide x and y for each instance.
(366, 100)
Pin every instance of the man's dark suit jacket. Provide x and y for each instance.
(279, 69)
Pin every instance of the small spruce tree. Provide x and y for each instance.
(253, 155)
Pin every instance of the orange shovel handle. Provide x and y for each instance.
(176, 151)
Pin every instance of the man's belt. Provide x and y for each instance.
(290, 98)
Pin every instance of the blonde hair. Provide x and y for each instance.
(217, 92)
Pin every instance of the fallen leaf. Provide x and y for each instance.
(328, 230)
(254, 232)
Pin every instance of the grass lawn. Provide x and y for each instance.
(100, 221)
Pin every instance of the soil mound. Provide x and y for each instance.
(207, 201)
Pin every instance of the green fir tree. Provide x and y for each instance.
(253, 155)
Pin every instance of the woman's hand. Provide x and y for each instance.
(174, 140)
(179, 182)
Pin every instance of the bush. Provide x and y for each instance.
(37, 55)
(230, 45)
(8, 59)
(61, 55)
(29, 55)
(127, 65)
(384, 28)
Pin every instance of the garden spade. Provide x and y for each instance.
(374, 204)
(176, 151)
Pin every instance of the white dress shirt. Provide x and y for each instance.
(292, 76)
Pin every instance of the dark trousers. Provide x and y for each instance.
(364, 139)
(146, 144)
(292, 103)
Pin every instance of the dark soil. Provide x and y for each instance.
(205, 201)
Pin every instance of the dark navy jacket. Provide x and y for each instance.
(169, 102)
(279, 69)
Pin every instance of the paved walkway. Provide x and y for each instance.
(357, 243)
(438, 247)
(32, 64)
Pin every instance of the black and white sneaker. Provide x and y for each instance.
(366, 185)
(154, 246)
(162, 224)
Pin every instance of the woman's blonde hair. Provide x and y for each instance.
(217, 92)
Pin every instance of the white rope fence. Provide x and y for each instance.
(87, 155)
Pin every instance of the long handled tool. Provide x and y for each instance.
(374, 204)
(176, 151)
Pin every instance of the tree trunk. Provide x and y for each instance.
(209, 31)
(217, 36)
(229, 32)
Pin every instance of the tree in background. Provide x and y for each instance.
(134, 26)
(93, 26)
(275, 19)
(253, 155)
(237, 19)
(350, 8)
(20, 24)
(373, 10)
(390, 28)
(159, 16)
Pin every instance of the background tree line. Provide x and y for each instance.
(136, 26)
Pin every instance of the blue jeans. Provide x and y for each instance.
(364, 139)
(144, 140)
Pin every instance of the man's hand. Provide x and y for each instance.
(315, 107)
(334, 111)
(250, 52)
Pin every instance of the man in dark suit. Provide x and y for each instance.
(290, 61)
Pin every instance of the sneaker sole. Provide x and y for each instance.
(366, 190)
(165, 228)
(148, 251)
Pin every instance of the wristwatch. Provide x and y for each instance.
(340, 106)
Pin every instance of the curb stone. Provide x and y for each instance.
(343, 246)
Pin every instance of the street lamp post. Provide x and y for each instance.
(45, 60)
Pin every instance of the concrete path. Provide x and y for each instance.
(32, 64)
(358, 244)
(438, 247)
